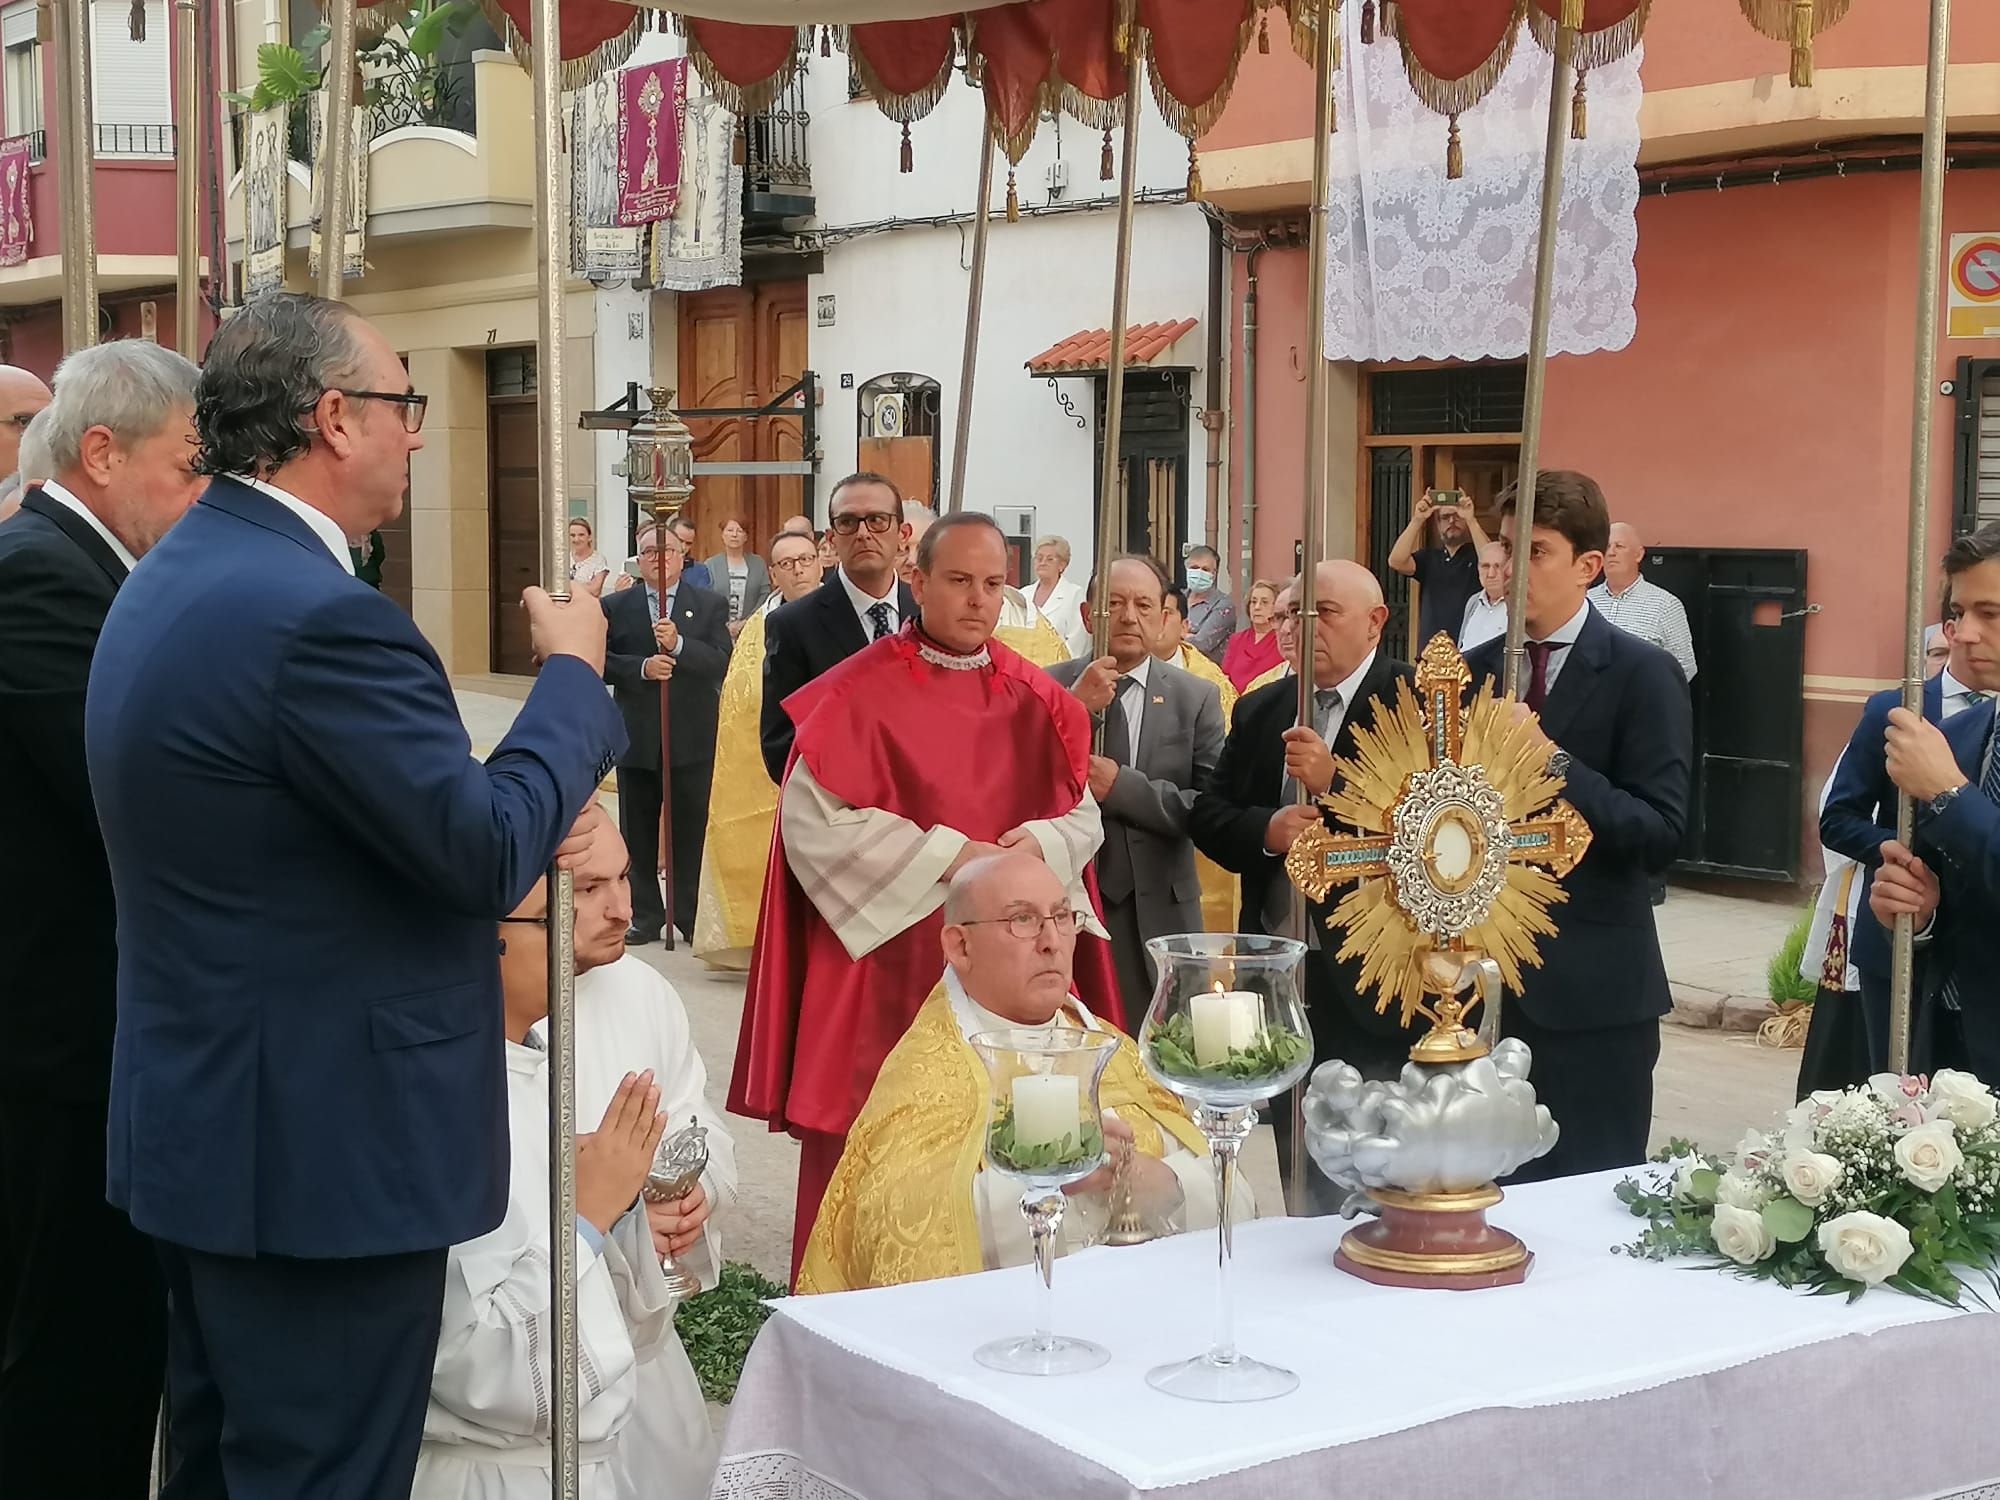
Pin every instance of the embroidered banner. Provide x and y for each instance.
(266, 180)
(354, 248)
(17, 222)
(701, 246)
(601, 249)
(652, 103)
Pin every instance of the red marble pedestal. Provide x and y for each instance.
(1436, 1240)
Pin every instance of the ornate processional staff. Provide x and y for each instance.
(76, 166)
(188, 94)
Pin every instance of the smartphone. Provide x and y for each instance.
(1450, 499)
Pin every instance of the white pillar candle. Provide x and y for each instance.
(1224, 1020)
(1045, 1108)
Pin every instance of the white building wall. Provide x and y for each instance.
(897, 264)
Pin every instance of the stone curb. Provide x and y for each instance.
(1712, 1010)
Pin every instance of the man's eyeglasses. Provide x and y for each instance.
(413, 405)
(1291, 616)
(1027, 925)
(19, 419)
(876, 521)
(794, 564)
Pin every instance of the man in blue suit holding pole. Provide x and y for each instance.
(308, 1094)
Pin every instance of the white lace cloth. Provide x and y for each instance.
(1600, 1376)
(1421, 267)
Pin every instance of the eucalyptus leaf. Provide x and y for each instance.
(1788, 1220)
(1703, 1184)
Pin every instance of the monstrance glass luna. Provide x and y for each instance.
(1044, 1130)
(1226, 1031)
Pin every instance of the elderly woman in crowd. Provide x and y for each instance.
(1059, 600)
(1253, 650)
(740, 575)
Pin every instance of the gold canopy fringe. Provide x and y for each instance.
(737, 100)
(575, 72)
(1194, 120)
(1388, 25)
(1454, 96)
(1090, 112)
(904, 109)
(1594, 49)
(1797, 22)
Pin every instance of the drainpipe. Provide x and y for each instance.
(1249, 539)
(1216, 399)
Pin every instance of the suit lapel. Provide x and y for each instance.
(1577, 679)
(78, 530)
(843, 625)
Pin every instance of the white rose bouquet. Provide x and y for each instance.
(1895, 1183)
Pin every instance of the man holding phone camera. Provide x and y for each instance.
(1448, 573)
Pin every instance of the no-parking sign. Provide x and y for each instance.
(1972, 276)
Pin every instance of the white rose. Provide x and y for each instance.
(1738, 1191)
(1810, 1176)
(1963, 1099)
(1864, 1247)
(1740, 1234)
(1928, 1155)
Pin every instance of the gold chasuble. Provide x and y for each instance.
(901, 1205)
(741, 808)
(1040, 643)
(1221, 892)
(1276, 674)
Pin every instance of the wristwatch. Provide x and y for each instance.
(1944, 799)
(1559, 763)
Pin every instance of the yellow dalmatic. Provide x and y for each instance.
(1038, 642)
(1221, 892)
(900, 1207)
(1277, 673)
(741, 808)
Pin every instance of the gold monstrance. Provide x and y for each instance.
(1463, 839)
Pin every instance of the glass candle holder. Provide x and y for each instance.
(1225, 1032)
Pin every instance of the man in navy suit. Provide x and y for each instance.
(860, 602)
(308, 1098)
(1616, 709)
(1954, 872)
(75, 1278)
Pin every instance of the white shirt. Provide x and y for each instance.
(64, 498)
(320, 522)
(1562, 638)
(1652, 614)
(1484, 619)
(863, 602)
(1134, 703)
(1957, 696)
(1347, 687)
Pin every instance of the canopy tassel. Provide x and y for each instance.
(1264, 33)
(138, 20)
(1367, 22)
(1454, 154)
(1194, 175)
(1802, 42)
(1579, 110)
(1104, 172)
(826, 41)
(909, 155)
(1013, 200)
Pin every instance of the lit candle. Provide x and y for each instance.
(1224, 1020)
(1045, 1108)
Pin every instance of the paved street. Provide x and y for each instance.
(1710, 1085)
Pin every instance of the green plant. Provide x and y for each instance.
(1274, 1051)
(283, 74)
(1784, 983)
(1009, 1153)
(717, 1327)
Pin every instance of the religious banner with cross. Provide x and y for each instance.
(1460, 840)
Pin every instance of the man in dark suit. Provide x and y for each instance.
(683, 640)
(308, 1102)
(1617, 710)
(1162, 735)
(1954, 873)
(76, 1279)
(1250, 814)
(859, 602)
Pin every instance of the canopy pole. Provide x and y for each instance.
(76, 173)
(1110, 490)
(1538, 364)
(975, 296)
(1324, 19)
(336, 148)
(187, 178)
(551, 263)
(1930, 224)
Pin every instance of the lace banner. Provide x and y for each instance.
(354, 243)
(266, 189)
(701, 246)
(17, 220)
(600, 249)
(1420, 266)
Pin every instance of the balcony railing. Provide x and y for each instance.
(439, 94)
(38, 145)
(135, 140)
(775, 163)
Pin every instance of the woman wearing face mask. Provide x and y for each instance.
(740, 574)
(1253, 651)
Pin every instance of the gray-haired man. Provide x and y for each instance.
(113, 458)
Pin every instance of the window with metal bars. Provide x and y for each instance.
(1976, 469)
(1461, 398)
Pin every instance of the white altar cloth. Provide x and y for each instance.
(875, 1395)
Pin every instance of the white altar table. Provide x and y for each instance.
(1601, 1378)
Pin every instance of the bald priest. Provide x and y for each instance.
(910, 1199)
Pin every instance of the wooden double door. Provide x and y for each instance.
(742, 347)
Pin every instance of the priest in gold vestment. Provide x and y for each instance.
(910, 1200)
(1221, 892)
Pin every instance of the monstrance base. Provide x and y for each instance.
(1206, 1378)
(1026, 1355)
(1436, 1240)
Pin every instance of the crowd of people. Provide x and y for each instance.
(279, 1136)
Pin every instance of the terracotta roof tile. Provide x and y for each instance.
(1090, 349)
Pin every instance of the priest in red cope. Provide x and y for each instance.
(930, 749)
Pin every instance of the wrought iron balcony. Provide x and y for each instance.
(422, 93)
(777, 171)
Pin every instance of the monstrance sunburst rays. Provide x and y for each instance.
(1462, 837)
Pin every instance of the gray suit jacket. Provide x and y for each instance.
(1147, 855)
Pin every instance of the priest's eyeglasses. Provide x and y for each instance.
(413, 405)
(876, 521)
(1027, 925)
